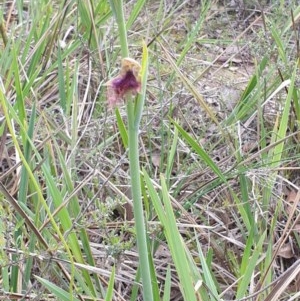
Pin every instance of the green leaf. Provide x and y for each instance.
(249, 266)
(200, 151)
(61, 294)
(207, 274)
(122, 128)
(135, 12)
(167, 287)
(110, 288)
(166, 216)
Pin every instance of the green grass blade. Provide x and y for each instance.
(135, 286)
(4, 258)
(140, 99)
(207, 275)
(122, 128)
(192, 89)
(65, 220)
(167, 287)
(279, 133)
(194, 33)
(20, 102)
(75, 211)
(283, 126)
(250, 266)
(61, 82)
(56, 291)
(166, 216)
(246, 101)
(279, 43)
(24, 192)
(110, 288)
(244, 205)
(200, 151)
(134, 13)
(40, 40)
(154, 281)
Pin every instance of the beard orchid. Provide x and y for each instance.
(127, 82)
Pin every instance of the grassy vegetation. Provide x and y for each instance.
(188, 191)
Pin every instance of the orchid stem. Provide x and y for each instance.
(134, 113)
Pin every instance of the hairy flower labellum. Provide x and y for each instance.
(128, 81)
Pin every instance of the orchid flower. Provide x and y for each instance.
(127, 82)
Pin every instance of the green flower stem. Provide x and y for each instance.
(134, 113)
(138, 211)
(117, 8)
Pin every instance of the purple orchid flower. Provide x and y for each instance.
(127, 82)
